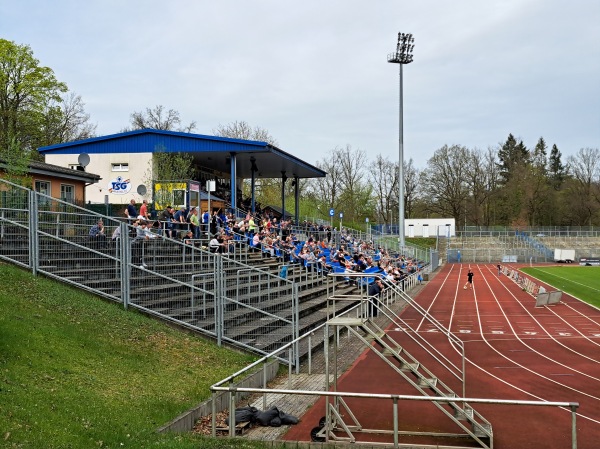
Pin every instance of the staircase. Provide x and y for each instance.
(340, 425)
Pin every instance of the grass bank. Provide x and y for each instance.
(79, 372)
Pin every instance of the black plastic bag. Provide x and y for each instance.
(287, 419)
(265, 418)
(245, 414)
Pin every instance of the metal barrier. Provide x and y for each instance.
(169, 278)
(393, 293)
(341, 423)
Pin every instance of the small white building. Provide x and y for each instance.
(429, 227)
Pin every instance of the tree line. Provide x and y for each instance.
(507, 184)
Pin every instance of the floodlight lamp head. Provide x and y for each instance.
(404, 48)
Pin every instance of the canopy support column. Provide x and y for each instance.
(283, 180)
(233, 175)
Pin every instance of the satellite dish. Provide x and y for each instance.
(141, 189)
(84, 159)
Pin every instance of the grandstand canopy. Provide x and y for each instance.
(211, 152)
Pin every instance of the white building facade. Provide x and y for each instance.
(120, 175)
(429, 227)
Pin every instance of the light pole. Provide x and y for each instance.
(403, 55)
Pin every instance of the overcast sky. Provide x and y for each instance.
(315, 74)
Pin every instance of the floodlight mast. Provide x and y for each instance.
(403, 55)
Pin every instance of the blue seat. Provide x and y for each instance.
(369, 280)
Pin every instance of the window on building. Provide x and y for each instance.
(120, 167)
(44, 188)
(67, 193)
(76, 167)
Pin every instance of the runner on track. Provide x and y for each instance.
(469, 283)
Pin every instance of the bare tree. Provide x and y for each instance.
(354, 191)
(66, 121)
(242, 130)
(480, 179)
(411, 187)
(159, 118)
(268, 190)
(492, 180)
(164, 165)
(326, 191)
(445, 178)
(384, 179)
(584, 185)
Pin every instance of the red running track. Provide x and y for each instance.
(513, 351)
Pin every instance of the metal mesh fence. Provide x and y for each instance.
(66, 251)
(523, 247)
(175, 279)
(14, 224)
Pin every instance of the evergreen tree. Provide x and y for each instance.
(514, 171)
(556, 169)
(539, 158)
(512, 155)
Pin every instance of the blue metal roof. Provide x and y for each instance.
(145, 140)
(208, 151)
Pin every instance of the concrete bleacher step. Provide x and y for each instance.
(99, 270)
(251, 327)
(309, 322)
(20, 257)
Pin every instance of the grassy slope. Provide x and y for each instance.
(578, 281)
(78, 372)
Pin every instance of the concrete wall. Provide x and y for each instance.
(185, 422)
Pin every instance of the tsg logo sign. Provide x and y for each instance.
(119, 186)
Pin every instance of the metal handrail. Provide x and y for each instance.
(337, 395)
(454, 370)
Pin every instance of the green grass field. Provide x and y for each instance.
(578, 281)
(80, 372)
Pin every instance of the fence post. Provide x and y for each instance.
(34, 256)
(219, 302)
(124, 241)
(574, 426)
(296, 325)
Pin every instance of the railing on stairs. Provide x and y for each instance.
(341, 422)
